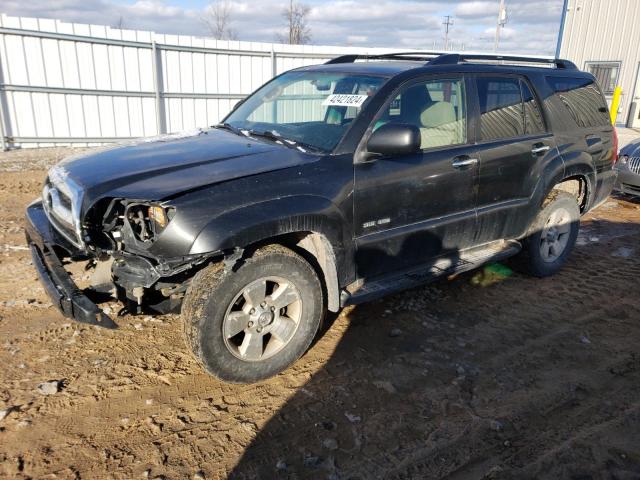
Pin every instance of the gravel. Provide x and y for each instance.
(385, 385)
(49, 388)
(352, 418)
(330, 444)
(395, 332)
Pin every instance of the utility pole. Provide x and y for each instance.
(502, 20)
(447, 23)
(291, 22)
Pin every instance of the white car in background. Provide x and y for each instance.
(628, 168)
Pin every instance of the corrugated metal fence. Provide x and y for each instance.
(77, 84)
(605, 32)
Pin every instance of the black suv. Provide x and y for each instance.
(330, 185)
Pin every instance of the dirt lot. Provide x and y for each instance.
(490, 375)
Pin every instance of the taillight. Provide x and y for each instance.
(615, 146)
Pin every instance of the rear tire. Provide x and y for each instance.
(554, 233)
(253, 322)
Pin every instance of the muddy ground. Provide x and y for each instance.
(490, 375)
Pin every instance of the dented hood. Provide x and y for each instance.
(161, 167)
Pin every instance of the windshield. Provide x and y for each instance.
(309, 108)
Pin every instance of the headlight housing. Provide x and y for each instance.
(158, 216)
(147, 221)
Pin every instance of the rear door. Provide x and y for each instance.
(513, 142)
(411, 208)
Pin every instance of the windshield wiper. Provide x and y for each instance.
(287, 142)
(270, 135)
(231, 128)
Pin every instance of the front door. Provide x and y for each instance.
(409, 209)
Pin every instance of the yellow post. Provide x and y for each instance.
(615, 104)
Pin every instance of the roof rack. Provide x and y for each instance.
(455, 58)
(439, 58)
(419, 56)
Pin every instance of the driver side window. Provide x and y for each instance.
(437, 107)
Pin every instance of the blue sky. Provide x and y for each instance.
(532, 25)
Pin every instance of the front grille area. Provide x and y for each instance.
(634, 164)
(58, 203)
(59, 208)
(65, 230)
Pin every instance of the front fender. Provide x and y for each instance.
(260, 221)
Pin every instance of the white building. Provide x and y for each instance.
(603, 37)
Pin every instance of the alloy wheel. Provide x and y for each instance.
(555, 235)
(262, 318)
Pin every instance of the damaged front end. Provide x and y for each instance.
(125, 265)
(117, 242)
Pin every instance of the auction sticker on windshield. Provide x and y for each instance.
(341, 100)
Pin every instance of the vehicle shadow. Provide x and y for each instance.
(490, 375)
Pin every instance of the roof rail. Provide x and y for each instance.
(440, 58)
(455, 58)
(419, 56)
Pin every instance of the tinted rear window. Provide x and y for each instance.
(501, 114)
(583, 100)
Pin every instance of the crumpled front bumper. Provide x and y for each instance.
(65, 295)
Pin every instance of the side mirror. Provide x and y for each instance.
(395, 139)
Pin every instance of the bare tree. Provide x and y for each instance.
(218, 20)
(296, 15)
(120, 23)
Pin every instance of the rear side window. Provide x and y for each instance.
(582, 99)
(533, 121)
(501, 111)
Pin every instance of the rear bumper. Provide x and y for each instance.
(65, 295)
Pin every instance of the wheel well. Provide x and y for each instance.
(578, 187)
(316, 249)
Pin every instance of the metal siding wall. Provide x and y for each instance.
(115, 93)
(605, 30)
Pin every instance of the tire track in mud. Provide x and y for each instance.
(533, 431)
(118, 397)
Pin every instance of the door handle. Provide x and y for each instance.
(539, 150)
(462, 162)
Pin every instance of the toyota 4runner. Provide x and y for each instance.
(330, 185)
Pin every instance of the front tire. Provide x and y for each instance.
(254, 322)
(553, 235)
